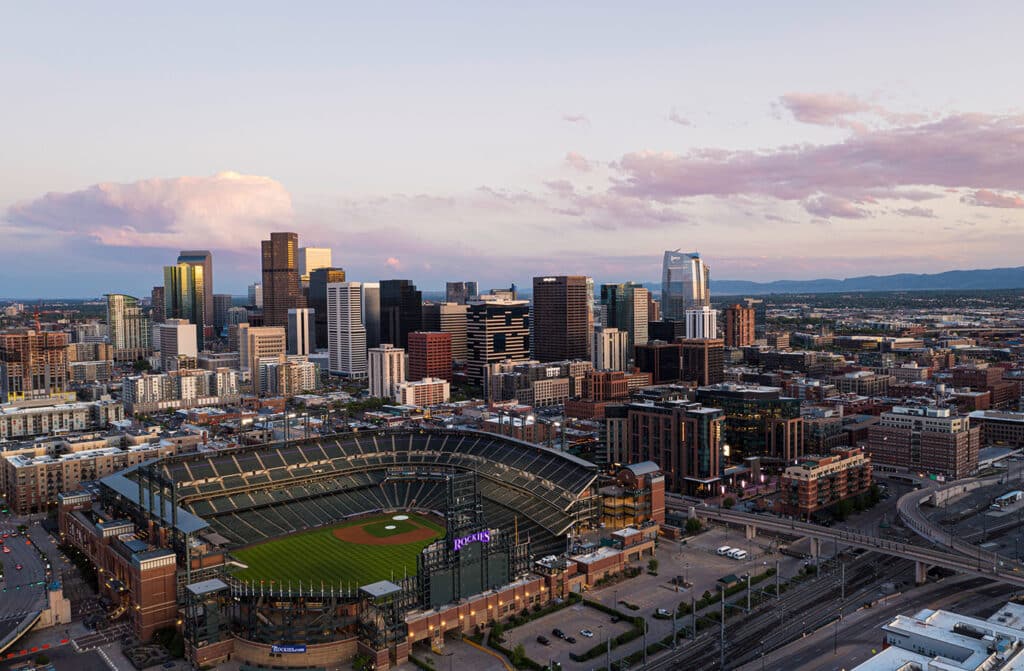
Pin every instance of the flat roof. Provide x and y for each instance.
(187, 522)
(207, 586)
(380, 589)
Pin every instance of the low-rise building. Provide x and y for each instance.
(425, 392)
(820, 482)
(26, 419)
(188, 388)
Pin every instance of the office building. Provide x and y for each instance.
(346, 334)
(317, 300)
(562, 320)
(310, 259)
(28, 420)
(740, 326)
(610, 349)
(535, 383)
(32, 364)
(184, 296)
(221, 306)
(203, 259)
(701, 322)
(386, 370)
(281, 290)
(258, 342)
(702, 361)
(669, 331)
(682, 437)
(862, 383)
(760, 308)
(685, 283)
(448, 318)
(401, 311)
(999, 428)
(300, 337)
(759, 421)
(371, 313)
(496, 330)
(177, 344)
(653, 308)
(461, 292)
(660, 359)
(430, 355)
(129, 327)
(820, 482)
(156, 305)
(925, 439)
(624, 306)
(256, 295)
(426, 392)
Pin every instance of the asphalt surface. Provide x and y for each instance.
(24, 590)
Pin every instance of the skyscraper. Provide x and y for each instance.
(346, 334)
(199, 257)
(625, 307)
(740, 326)
(318, 281)
(371, 313)
(257, 342)
(684, 284)
(702, 323)
(702, 361)
(281, 290)
(461, 292)
(562, 320)
(129, 327)
(401, 311)
(430, 355)
(178, 344)
(32, 364)
(610, 348)
(156, 305)
(300, 331)
(184, 291)
(450, 318)
(256, 295)
(221, 305)
(386, 370)
(310, 259)
(760, 308)
(496, 330)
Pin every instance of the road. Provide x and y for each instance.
(24, 590)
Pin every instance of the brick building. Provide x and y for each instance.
(430, 355)
(819, 482)
(927, 439)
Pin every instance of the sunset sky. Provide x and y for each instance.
(439, 141)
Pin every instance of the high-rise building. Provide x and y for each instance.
(401, 311)
(371, 313)
(451, 319)
(430, 355)
(660, 359)
(178, 347)
(669, 331)
(310, 259)
(702, 361)
(927, 439)
(685, 282)
(611, 347)
(221, 305)
(256, 295)
(281, 289)
(386, 366)
(129, 327)
(461, 292)
(702, 323)
(300, 331)
(759, 421)
(562, 320)
(184, 296)
(203, 258)
(156, 305)
(257, 342)
(625, 308)
(760, 308)
(496, 330)
(318, 281)
(740, 328)
(33, 364)
(346, 334)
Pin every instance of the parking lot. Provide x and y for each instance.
(570, 620)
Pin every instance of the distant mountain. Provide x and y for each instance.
(993, 278)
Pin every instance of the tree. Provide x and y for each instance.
(874, 495)
(728, 502)
(497, 630)
(843, 509)
(518, 655)
(693, 526)
(141, 365)
(652, 565)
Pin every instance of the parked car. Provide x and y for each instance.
(558, 633)
(738, 554)
(543, 640)
(664, 613)
(586, 633)
(724, 550)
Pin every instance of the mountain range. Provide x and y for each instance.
(992, 278)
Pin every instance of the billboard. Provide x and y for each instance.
(288, 649)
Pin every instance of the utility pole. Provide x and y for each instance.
(608, 652)
(693, 616)
(778, 593)
(748, 591)
(645, 641)
(722, 635)
(673, 628)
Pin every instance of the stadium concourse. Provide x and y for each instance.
(171, 537)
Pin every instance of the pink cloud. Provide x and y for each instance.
(916, 211)
(393, 263)
(578, 161)
(832, 206)
(825, 109)
(987, 198)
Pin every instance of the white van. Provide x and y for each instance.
(724, 550)
(738, 554)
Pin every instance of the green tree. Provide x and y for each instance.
(874, 495)
(141, 365)
(518, 656)
(728, 502)
(497, 630)
(693, 526)
(652, 565)
(843, 509)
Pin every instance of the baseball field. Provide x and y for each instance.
(350, 554)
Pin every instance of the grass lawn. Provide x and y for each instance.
(318, 555)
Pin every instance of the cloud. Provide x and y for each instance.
(393, 263)
(831, 206)
(677, 118)
(987, 198)
(916, 211)
(578, 161)
(227, 211)
(825, 109)
(576, 118)
(961, 151)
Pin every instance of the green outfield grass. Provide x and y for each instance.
(318, 555)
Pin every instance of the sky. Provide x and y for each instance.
(498, 141)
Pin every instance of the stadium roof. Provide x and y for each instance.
(644, 468)
(187, 522)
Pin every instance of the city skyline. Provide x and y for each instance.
(781, 151)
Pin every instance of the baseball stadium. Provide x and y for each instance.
(327, 546)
